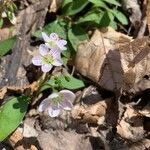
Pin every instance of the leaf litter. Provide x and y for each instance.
(113, 113)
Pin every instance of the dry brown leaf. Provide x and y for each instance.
(19, 143)
(148, 14)
(6, 33)
(28, 90)
(113, 60)
(131, 126)
(55, 4)
(145, 111)
(142, 145)
(92, 114)
(93, 60)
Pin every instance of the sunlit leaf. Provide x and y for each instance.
(11, 115)
(53, 27)
(114, 2)
(67, 82)
(7, 45)
(74, 7)
(75, 35)
(98, 3)
(120, 16)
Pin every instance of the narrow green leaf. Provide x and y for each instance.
(106, 19)
(69, 82)
(1, 22)
(120, 16)
(74, 7)
(99, 3)
(53, 27)
(7, 45)
(75, 35)
(94, 17)
(11, 114)
(114, 2)
(113, 24)
(66, 2)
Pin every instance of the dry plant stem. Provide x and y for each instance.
(40, 82)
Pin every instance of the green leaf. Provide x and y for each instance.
(65, 2)
(98, 3)
(7, 45)
(106, 19)
(1, 22)
(74, 7)
(69, 82)
(113, 24)
(120, 16)
(114, 2)
(53, 27)
(11, 114)
(94, 17)
(75, 35)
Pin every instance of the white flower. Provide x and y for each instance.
(55, 102)
(54, 42)
(47, 58)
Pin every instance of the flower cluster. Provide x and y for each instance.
(55, 102)
(50, 52)
(49, 56)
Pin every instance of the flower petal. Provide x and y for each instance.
(44, 104)
(58, 62)
(53, 95)
(46, 37)
(43, 49)
(37, 60)
(61, 44)
(55, 53)
(54, 36)
(68, 95)
(67, 105)
(46, 67)
(53, 112)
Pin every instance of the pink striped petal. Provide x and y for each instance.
(55, 53)
(44, 105)
(43, 49)
(54, 36)
(58, 62)
(68, 95)
(46, 67)
(67, 105)
(46, 37)
(37, 60)
(53, 112)
(61, 44)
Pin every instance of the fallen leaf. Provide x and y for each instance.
(55, 4)
(6, 33)
(18, 142)
(131, 126)
(142, 145)
(148, 14)
(92, 114)
(28, 90)
(113, 60)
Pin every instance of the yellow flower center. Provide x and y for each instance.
(47, 59)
